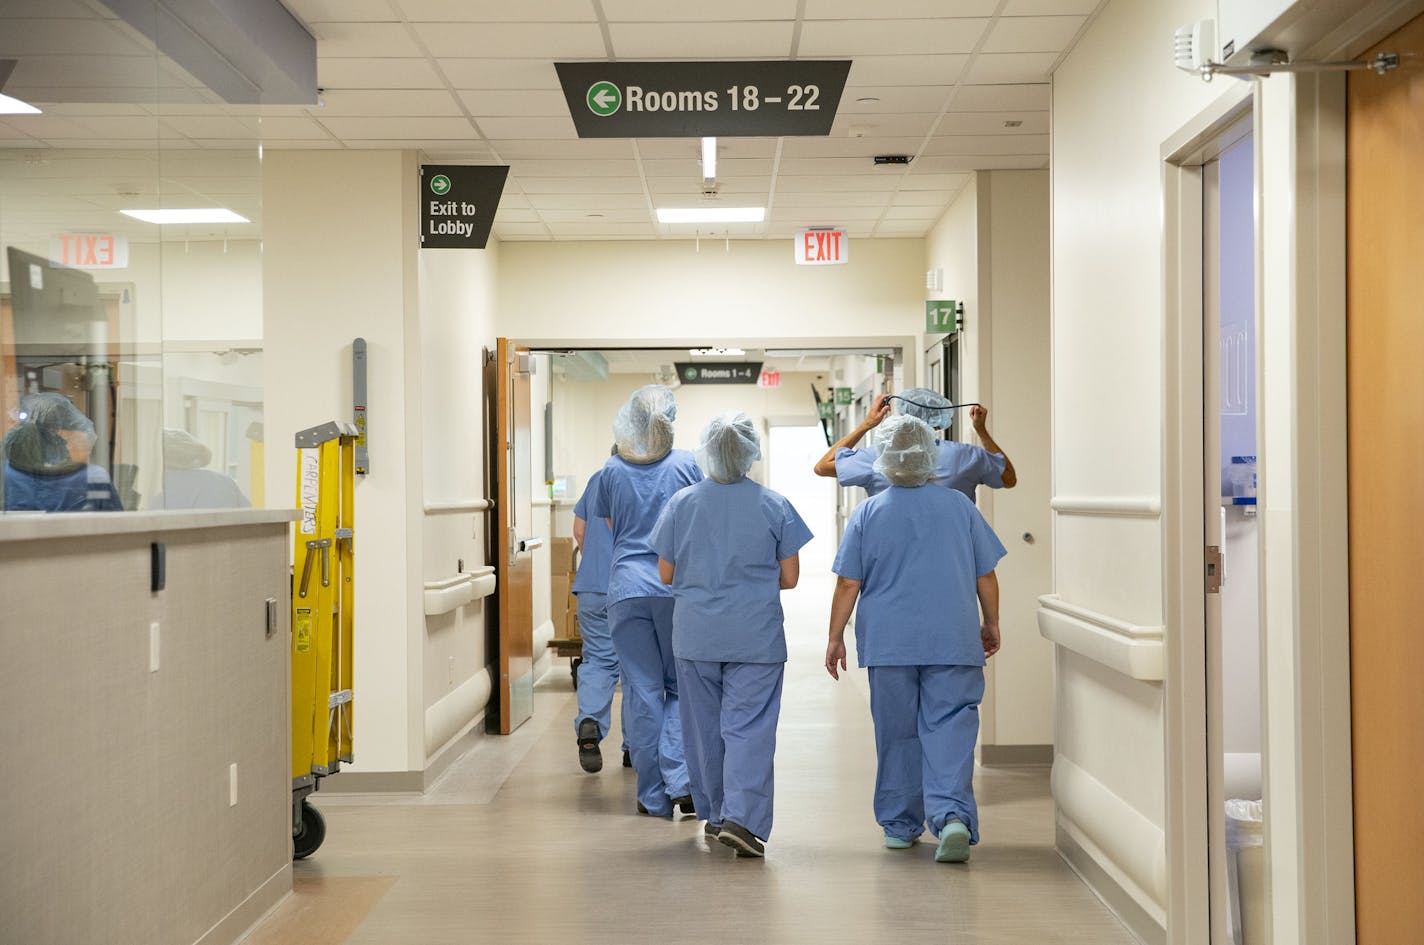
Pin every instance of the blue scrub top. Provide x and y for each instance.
(917, 552)
(727, 541)
(87, 489)
(633, 496)
(961, 466)
(592, 574)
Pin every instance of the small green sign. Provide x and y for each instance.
(843, 396)
(439, 185)
(940, 316)
(604, 98)
(826, 409)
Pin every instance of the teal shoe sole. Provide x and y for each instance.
(895, 843)
(953, 844)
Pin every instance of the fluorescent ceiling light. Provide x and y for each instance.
(716, 352)
(13, 106)
(711, 214)
(709, 158)
(188, 215)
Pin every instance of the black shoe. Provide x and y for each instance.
(684, 803)
(589, 756)
(739, 838)
(710, 830)
(627, 759)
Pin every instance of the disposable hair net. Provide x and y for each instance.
(642, 430)
(729, 446)
(182, 450)
(907, 450)
(931, 407)
(35, 445)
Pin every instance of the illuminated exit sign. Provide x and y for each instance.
(90, 250)
(821, 248)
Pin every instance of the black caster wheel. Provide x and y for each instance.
(574, 665)
(310, 833)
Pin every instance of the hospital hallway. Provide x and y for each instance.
(516, 844)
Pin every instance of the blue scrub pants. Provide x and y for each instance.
(729, 714)
(598, 671)
(926, 723)
(642, 638)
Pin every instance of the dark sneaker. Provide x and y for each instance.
(627, 759)
(710, 830)
(589, 756)
(739, 838)
(683, 802)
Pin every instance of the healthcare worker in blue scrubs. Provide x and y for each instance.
(729, 546)
(961, 466)
(598, 670)
(632, 490)
(921, 560)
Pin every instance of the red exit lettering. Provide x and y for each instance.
(821, 247)
(90, 250)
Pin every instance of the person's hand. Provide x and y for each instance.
(978, 416)
(879, 410)
(835, 655)
(989, 636)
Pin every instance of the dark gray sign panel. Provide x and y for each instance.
(768, 98)
(457, 204)
(719, 372)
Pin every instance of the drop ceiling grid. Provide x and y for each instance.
(473, 81)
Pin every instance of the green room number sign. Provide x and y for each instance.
(940, 316)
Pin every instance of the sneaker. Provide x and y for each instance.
(739, 838)
(644, 810)
(953, 843)
(895, 843)
(710, 830)
(589, 756)
(627, 759)
(683, 802)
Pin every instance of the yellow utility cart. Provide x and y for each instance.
(322, 620)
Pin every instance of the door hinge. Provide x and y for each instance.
(1213, 569)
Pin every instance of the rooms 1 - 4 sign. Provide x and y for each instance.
(821, 248)
(458, 203)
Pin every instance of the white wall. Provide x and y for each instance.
(316, 300)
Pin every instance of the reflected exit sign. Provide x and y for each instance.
(821, 248)
(90, 250)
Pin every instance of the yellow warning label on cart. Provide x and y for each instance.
(303, 631)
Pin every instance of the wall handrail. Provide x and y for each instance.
(1114, 506)
(458, 505)
(1133, 650)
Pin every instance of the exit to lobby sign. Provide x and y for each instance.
(821, 248)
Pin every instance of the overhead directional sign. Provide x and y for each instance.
(697, 99)
(719, 372)
(457, 204)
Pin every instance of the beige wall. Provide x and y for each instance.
(117, 826)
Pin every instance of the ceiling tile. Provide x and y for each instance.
(889, 37)
(517, 230)
(142, 127)
(304, 144)
(346, 11)
(1016, 34)
(728, 149)
(371, 73)
(495, 103)
(500, 73)
(901, 9)
(338, 40)
(731, 189)
(692, 167)
(803, 167)
(851, 198)
(575, 185)
(849, 147)
(395, 127)
(914, 213)
(923, 198)
(586, 202)
(998, 98)
(285, 129)
(526, 40)
(528, 127)
(574, 148)
(493, 11)
(888, 126)
(1010, 68)
(1050, 7)
(991, 144)
(598, 216)
(507, 214)
(809, 216)
(904, 227)
(868, 71)
(661, 11)
(408, 103)
(529, 169)
(701, 40)
(991, 123)
(925, 181)
(816, 185)
(892, 99)
(982, 162)
(595, 228)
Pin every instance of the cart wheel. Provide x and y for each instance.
(574, 665)
(310, 833)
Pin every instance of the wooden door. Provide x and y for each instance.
(507, 392)
(1385, 232)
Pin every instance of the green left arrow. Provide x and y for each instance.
(604, 98)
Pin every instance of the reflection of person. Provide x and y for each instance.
(634, 487)
(186, 484)
(918, 558)
(47, 466)
(961, 466)
(598, 671)
(728, 546)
